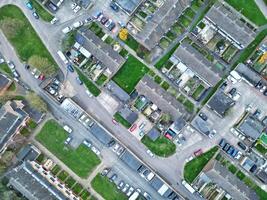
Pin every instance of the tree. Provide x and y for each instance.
(166, 118)
(42, 64)
(123, 34)
(36, 102)
(11, 27)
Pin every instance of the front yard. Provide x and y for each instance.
(81, 160)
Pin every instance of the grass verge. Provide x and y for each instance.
(41, 11)
(121, 120)
(166, 57)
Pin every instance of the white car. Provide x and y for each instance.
(130, 191)
(238, 155)
(108, 23)
(95, 150)
(236, 96)
(73, 5)
(54, 20)
(68, 140)
(77, 24)
(11, 65)
(1, 59)
(125, 188)
(89, 93)
(115, 147)
(87, 143)
(66, 29)
(150, 153)
(76, 9)
(67, 128)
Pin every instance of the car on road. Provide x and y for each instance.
(15, 73)
(11, 65)
(198, 152)
(130, 191)
(120, 185)
(27, 66)
(68, 140)
(125, 188)
(70, 68)
(77, 24)
(29, 5)
(105, 171)
(113, 177)
(36, 16)
(87, 143)
(203, 116)
(66, 29)
(150, 153)
(242, 146)
(67, 128)
(79, 81)
(95, 150)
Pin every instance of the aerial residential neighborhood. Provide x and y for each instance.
(133, 99)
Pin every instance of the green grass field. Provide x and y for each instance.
(121, 120)
(42, 12)
(5, 69)
(81, 160)
(130, 74)
(263, 138)
(195, 166)
(107, 189)
(250, 10)
(23, 37)
(162, 146)
(166, 57)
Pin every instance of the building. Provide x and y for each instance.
(31, 184)
(160, 97)
(153, 134)
(129, 115)
(5, 82)
(220, 103)
(101, 134)
(28, 153)
(262, 175)
(251, 127)
(117, 91)
(12, 120)
(131, 161)
(90, 44)
(247, 74)
(129, 6)
(159, 23)
(228, 22)
(198, 64)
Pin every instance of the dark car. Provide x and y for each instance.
(222, 143)
(253, 168)
(232, 91)
(230, 150)
(265, 93)
(111, 143)
(234, 152)
(111, 26)
(257, 113)
(113, 178)
(114, 6)
(224, 85)
(36, 16)
(242, 146)
(203, 116)
(104, 20)
(105, 171)
(27, 66)
(70, 68)
(226, 147)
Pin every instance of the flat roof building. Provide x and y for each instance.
(101, 134)
(195, 61)
(129, 6)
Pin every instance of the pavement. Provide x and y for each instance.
(262, 6)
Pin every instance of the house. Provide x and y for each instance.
(129, 115)
(192, 59)
(262, 175)
(159, 23)
(247, 74)
(5, 82)
(117, 91)
(251, 127)
(248, 164)
(12, 120)
(153, 134)
(28, 153)
(129, 6)
(131, 161)
(230, 24)
(220, 103)
(178, 125)
(101, 134)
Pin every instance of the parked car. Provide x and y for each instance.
(198, 152)
(89, 93)
(133, 127)
(120, 185)
(73, 5)
(68, 140)
(257, 113)
(27, 66)
(87, 20)
(15, 73)
(113, 6)
(108, 23)
(238, 155)
(234, 152)
(242, 146)
(87, 143)
(76, 9)
(222, 143)
(230, 150)
(95, 150)
(67, 128)
(126, 187)
(70, 68)
(77, 24)
(97, 14)
(54, 20)
(111, 143)
(79, 81)
(11, 65)
(115, 147)
(212, 133)
(104, 20)
(203, 116)
(113, 178)
(226, 147)
(120, 151)
(29, 5)
(111, 26)
(232, 91)
(66, 29)
(105, 171)
(142, 125)
(147, 196)
(36, 16)
(150, 153)
(130, 191)
(2, 60)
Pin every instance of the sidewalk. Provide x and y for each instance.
(262, 6)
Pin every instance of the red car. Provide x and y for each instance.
(41, 77)
(114, 122)
(198, 152)
(133, 127)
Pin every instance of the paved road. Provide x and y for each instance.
(50, 35)
(262, 6)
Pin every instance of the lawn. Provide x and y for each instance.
(4, 68)
(101, 79)
(131, 42)
(63, 175)
(166, 57)
(55, 170)
(263, 138)
(198, 92)
(189, 106)
(250, 10)
(232, 169)
(121, 120)
(81, 160)
(195, 166)
(84, 194)
(240, 175)
(41, 11)
(70, 182)
(260, 148)
(18, 27)
(162, 146)
(77, 188)
(89, 84)
(107, 189)
(130, 74)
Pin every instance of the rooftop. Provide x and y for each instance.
(101, 134)
(28, 153)
(130, 160)
(251, 127)
(195, 61)
(156, 183)
(248, 74)
(31, 184)
(165, 101)
(161, 21)
(262, 175)
(153, 134)
(129, 5)
(129, 115)
(221, 103)
(117, 91)
(102, 51)
(229, 21)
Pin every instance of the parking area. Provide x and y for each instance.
(141, 127)
(108, 102)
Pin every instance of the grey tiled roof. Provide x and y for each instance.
(131, 161)
(129, 5)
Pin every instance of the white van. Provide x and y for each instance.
(67, 128)
(134, 196)
(63, 57)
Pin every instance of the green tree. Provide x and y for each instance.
(11, 27)
(36, 101)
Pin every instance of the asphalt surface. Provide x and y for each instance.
(170, 169)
